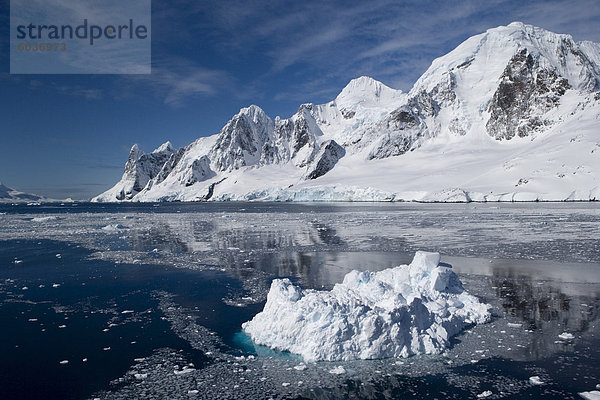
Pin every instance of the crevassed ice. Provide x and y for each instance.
(398, 312)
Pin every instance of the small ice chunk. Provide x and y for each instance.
(193, 391)
(32, 319)
(140, 376)
(45, 219)
(17, 261)
(58, 255)
(591, 395)
(184, 371)
(513, 325)
(300, 367)
(566, 336)
(485, 394)
(535, 380)
(62, 326)
(285, 384)
(113, 227)
(337, 370)
(106, 348)
(84, 359)
(63, 362)
(127, 312)
(55, 285)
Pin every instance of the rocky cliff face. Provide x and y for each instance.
(525, 93)
(508, 83)
(141, 168)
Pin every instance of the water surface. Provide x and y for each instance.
(142, 291)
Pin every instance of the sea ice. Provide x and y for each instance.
(339, 370)
(300, 367)
(113, 227)
(397, 312)
(591, 395)
(45, 219)
(535, 380)
(566, 336)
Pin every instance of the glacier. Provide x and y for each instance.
(511, 114)
(398, 312)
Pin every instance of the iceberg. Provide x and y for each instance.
(398, 312)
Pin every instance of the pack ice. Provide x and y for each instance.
(398, 312)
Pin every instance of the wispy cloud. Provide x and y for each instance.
(176, 80)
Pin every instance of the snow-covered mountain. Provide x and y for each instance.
(8, 195)
(512, 114)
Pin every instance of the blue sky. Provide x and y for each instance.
(69, 135)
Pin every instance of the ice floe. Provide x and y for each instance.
(536, 380)
(337, 370)
(398, 312)
(566, 336)
(45, 219)
(113, 227)
(591, 395)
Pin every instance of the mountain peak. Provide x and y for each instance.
(165, 147)
(486, 55)
(361, 86)
(365, 91)
(251, 110)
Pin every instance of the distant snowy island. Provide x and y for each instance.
(10, 195)
(512, 114)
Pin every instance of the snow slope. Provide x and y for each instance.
(399, 312)
(512, 114)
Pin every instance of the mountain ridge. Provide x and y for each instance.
(10, 195)
(509, 91)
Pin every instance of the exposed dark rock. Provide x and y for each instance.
(465, 64)
(526, 90)
(198, 172)
(301, 134)
(328, 155)
(347, 114)
(141, 168)
(169, 165)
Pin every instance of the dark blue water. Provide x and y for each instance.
(91, 296)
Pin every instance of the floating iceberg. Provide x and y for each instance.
(398, 312)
